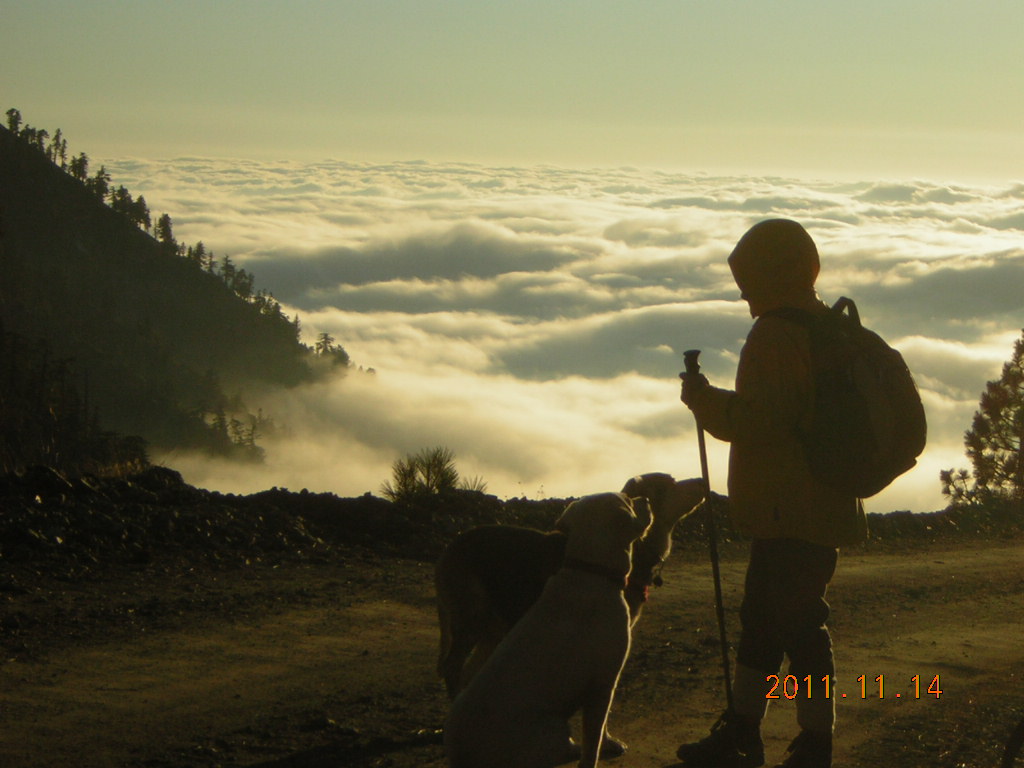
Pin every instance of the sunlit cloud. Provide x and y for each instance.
(534, 320)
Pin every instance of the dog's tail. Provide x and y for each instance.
(444, 613)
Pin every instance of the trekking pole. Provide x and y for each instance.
(693, 369)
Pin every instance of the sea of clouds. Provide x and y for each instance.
(533, 320)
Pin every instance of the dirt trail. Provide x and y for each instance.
(333, 665)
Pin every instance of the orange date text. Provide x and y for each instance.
(792, 687)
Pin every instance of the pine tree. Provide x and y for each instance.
(242, 284)
(227, 271)
(164, 234)
(79, 167)
(140, 213)
(196, 254)
(99, 184)
(324, 343)
(14, 121)
(121, 201)
(994, 441)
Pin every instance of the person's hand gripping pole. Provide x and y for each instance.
(692, 379)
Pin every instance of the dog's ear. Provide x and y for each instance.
(643, 515)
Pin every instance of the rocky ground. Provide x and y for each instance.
(148, 623)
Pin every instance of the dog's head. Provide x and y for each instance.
(601, 528)
(670, 502)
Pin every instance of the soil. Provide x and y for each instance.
(327, 659)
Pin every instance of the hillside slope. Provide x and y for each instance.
(161, 348)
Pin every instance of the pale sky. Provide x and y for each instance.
(890, 88)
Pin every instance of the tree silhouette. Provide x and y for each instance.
(164, 234)
(79, 167)
(324, 343)
(121, 201)
(326, 348)
(58, 149)
(99, 184)
(994, 441)
(14, 121)
(140, 213)
(243, 284)
(196, 254)
(227, 270)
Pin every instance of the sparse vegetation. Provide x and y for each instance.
(430, 472)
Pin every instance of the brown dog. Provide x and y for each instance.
(565, 654)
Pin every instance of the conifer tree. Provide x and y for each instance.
(243, 284)
(140, 213)
(121, 201)
(164, 233)
(99, 184)
(324, 343)
(14, 121)
(994, 441)
(79, 167)
(227, 271)
(196, 254)
(58, 149)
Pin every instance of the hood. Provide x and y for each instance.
(775, 259)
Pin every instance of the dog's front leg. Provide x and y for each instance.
(595, 718)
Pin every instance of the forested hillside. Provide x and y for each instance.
(106, 328)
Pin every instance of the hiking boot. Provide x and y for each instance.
(734, 742)
(810, 749)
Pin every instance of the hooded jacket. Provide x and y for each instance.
(772, 493)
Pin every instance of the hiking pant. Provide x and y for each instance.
(783, 614)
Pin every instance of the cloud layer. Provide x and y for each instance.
(534, 320)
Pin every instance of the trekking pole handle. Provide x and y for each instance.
(690, 361)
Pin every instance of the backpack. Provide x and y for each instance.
(867, 424)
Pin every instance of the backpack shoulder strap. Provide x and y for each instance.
(843, 306)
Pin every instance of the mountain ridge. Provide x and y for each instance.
(159, 346)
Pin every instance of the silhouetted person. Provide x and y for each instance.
(795, 522)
